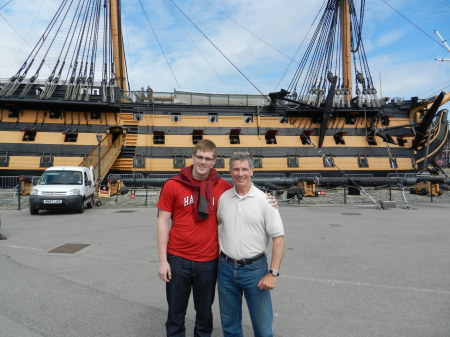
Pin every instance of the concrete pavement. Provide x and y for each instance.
(347, 271)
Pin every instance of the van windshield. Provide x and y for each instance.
(61, 178)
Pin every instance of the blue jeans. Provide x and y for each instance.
(201, 277)
(235, 280)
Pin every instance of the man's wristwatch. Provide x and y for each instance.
(274, 272)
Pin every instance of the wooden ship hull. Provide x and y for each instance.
(333, 133)
(159, 138)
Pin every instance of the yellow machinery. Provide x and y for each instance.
(26, 184)
(117, 187)
(305, 189)
(426, 188)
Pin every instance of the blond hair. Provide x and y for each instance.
(205, 145)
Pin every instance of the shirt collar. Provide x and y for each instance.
(250, 194)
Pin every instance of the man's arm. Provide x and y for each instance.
(163, 224)
(268, 282)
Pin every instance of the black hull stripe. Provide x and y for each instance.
(168, 152)
(250, 129)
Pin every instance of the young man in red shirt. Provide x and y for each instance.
(188, 240)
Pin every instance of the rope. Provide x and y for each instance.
(324, 156)
(199, 50)
(159, 44)
(420, 29)
(397, 175)
(217, 48)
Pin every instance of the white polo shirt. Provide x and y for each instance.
(246, 223)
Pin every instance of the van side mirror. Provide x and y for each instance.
(88, 183)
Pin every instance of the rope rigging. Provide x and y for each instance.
(70, 48)
(199, 50)
(159, 44)
(17, 79)
(321, 80)
(217, 48)
(324, 58)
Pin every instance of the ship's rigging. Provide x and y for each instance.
(83, 34)
(328, 56)
(444, 42)
(89, 31)
(332, 89)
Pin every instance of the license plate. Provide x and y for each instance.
(52, 201)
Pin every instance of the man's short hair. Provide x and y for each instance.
(205, 145)
(242, 156)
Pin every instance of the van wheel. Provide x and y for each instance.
(90, 203)
(34, 210)
(80, 208)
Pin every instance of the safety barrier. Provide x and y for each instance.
(12, 182)
(9, 182)
(129, 176)
(269, 175)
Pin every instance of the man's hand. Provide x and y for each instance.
(163, 225)
(164, 272)
(272, 200)
(268, 282)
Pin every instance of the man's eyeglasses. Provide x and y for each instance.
(201, 158)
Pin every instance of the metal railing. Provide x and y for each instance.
(161, 175)
(135, 184)
(402, 175)
(306, 175)
(193, 98)
(359, 175)
(270, 175)
(9, 182)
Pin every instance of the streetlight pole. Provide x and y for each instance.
(99, 140)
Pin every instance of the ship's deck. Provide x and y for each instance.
(348, 271)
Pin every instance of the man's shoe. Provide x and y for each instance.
(2, 237)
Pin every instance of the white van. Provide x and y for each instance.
(63, 187)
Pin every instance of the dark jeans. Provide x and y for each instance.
(201, 277)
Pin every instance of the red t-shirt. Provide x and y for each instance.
(196, 241)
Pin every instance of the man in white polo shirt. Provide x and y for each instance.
(247, 224)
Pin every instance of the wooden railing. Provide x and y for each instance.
(109, 152)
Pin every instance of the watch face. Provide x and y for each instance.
(275, 273)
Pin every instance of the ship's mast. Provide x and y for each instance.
(346, 45)
(117, 42)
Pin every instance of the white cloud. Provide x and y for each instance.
(399, 51)
(389, 38)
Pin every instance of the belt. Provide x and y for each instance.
(243, 262)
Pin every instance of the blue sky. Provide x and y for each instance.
(256, 36)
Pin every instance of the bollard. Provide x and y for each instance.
(2, 237)
(387, 204)
(19, 194)
(146, 195)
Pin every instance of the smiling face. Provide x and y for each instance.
(202, 163)
(204, 156)
(241, 173)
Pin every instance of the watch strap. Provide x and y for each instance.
(274, 272)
